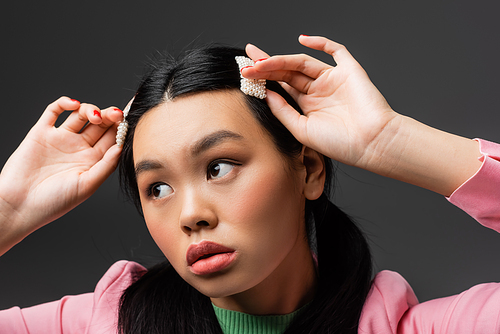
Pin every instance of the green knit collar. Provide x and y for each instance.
(234, 322)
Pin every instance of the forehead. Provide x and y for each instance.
(178, 123)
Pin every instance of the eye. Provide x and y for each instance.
(218, 169)
(159, 190)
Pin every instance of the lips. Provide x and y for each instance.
(208, 257)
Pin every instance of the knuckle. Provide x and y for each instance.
(104, 125)
(307, 86)
(341, 47)
(52, 104)
(288, 76)
(81, 117)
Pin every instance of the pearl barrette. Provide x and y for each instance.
(252, 87)
(122, 128)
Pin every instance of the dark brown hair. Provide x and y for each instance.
(161, 301)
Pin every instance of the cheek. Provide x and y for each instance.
(268, 193)
(164, 232)
(269, 211)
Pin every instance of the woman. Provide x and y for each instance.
(226, 193)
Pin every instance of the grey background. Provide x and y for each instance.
(435, 61)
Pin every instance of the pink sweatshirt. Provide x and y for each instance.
(391, 306)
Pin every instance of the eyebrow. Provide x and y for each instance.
(199, 147)
(212, 140)
(147, 165)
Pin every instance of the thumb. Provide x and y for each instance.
(288, 116)
(98, 173)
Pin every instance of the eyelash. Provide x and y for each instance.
(151, 188)
(218, 162)
(214, 163)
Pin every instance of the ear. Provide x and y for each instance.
(315, 173)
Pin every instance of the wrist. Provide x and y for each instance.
(386, 146)
(13, 227)
(10, 233)
(415, 153)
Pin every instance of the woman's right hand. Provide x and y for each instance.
(56, 168)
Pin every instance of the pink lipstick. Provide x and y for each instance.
(209, 257)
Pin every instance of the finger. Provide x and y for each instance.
(99, 172)
(92, 132)
(255, 53)
(302, 63)
(287, 115)
(77, 120)
(110, 116)
(336, 50)
(296, 79)
(56, 108)
(107, 139)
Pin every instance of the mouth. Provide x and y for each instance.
(209, 257)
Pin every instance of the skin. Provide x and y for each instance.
(56, 168)
(255, 204)
(255, 207)
(347, 119)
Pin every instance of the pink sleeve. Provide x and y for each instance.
(389, 298)
(480, 195)
(87, 313)
(476, 310)
(392, 308)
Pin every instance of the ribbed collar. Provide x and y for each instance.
(233, 322)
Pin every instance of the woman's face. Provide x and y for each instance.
(223, 205)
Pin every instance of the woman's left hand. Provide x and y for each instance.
(344, 113)
(347, 119)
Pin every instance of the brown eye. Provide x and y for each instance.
(160, 190)
(219, 169)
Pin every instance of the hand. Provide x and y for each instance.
(347, 119)
(344, 113)
(55, 169)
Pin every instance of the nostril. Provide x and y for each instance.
(189, 228)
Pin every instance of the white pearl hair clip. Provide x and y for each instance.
(122, 128)
(252, 87)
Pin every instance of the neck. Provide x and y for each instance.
(288, 288)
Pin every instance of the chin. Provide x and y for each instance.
(217, 288)
(221, 285)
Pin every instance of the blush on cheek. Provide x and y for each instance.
(163, 234)
(254, 196)
(266, 197)
(275, 188)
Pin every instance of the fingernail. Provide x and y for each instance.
(75, 100)
(304, 35)
(261, 59)
(118, 110)
(244, 68)
(97, 113)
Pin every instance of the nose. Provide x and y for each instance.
(197, 212)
